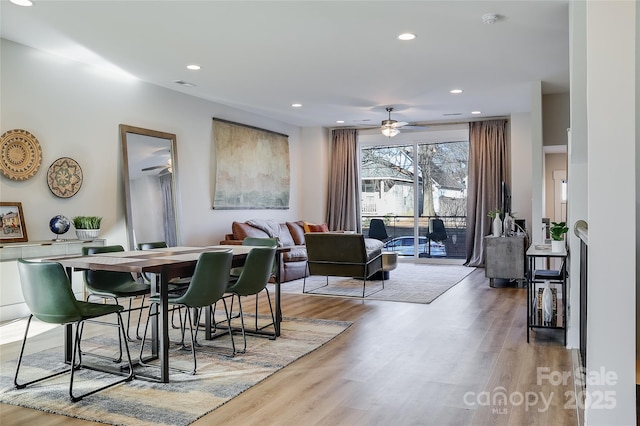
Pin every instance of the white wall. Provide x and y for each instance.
(521, 172)
(611, 125)
(577, 153)
(75, 112)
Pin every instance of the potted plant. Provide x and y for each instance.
(558, 229)
(87, 227)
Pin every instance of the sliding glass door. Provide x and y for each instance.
(417, 187)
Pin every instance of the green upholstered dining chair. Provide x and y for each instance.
(49, 297)
(253, 279)
(208, 285)
(176, 285)
(114, 285)
(257, 242)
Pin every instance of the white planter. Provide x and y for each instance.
(557, 246)
(87, 234)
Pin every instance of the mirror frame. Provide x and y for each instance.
(124, 131)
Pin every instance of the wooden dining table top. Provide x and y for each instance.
(153, 260)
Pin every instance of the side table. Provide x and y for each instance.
(504, 258)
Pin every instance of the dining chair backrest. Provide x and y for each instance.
(152, 245)
(264, 242)
(256, 272)
(209, 281)
(104, 280)
(47, 292)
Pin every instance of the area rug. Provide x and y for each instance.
(409, 282)
(182, 401)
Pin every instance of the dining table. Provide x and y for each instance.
(165, 263)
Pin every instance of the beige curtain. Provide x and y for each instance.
(488, 167)
(343, 207)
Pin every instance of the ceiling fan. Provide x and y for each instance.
(390, 127)
(164, 167)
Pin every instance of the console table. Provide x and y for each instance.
(535, 280)
(504, 258)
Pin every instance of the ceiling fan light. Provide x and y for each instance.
(390, 131)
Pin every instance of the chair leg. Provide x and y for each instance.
(273, 318)
(73, 360)
(144, 335)
(228, 315)
(244, 336)
(24, 342)
(139, 318)
(193, 340)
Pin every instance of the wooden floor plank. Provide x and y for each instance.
(398, 364)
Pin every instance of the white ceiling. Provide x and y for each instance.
(339, 59)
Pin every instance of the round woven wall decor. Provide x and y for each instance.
(64, 177)
(20, 154)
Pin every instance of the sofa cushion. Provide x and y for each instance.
(297, 253)
(285, 237)
(297, 232)
(242, 230)
(373, 247)
(311, 227)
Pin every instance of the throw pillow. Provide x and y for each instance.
(310, 227)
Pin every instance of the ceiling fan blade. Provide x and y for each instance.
(399, 124)
(146, 169)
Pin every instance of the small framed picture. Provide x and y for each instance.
(12, 226)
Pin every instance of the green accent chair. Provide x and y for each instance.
(208, 285)
(253, 279)
(48, 295)
(342, 255)
(114, 285)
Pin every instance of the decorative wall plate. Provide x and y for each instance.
(64, 177)
(20, 154)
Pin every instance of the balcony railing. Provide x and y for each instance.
(403, 226)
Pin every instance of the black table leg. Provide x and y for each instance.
(164, 328)
(68, 329)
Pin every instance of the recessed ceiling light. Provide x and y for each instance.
(490, 18)
(455, 91)
(406, 36)
(184, 83)
(476, 112)
(194, 67)
(296, 105)
(22, 2)
(340, 121)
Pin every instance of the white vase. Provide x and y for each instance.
(547, 303)
(497, 226)
(87, 234)
(557, 246)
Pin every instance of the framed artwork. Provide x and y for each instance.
(13, 228)
(251, 167)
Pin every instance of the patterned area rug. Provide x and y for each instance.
(182, 401)
(409, 282)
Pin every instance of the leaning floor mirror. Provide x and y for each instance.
(150, 183)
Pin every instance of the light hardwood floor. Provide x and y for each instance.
(401, 364)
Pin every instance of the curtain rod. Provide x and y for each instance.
(433, 123)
